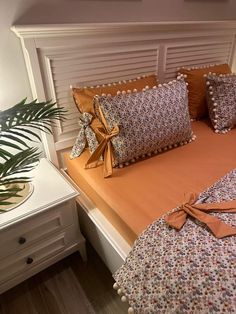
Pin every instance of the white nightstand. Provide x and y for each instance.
(42, 230)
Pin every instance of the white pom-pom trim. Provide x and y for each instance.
(199, 67)
(145, 88)
(157, 151)
(221, 75)
(119, 291)
(114, 83)
(115, 286)
(130, 310)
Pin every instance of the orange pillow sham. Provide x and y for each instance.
(197, 87)
(84, 96)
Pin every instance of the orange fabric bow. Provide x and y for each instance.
(219, 228)
(104, 148)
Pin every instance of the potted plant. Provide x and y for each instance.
(19, 126)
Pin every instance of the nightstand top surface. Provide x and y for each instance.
(50, 189)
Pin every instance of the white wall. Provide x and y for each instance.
(14, 84)
(129, 10)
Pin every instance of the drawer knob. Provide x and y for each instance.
(21, 240)
(29, 260)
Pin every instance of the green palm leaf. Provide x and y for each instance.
(20, 121)
(23, 161)
(19, 125)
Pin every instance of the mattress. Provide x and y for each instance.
(137, 195)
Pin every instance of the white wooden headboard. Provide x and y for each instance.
(58, 56)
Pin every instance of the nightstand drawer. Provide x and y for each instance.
(18, 263)
(22, 235)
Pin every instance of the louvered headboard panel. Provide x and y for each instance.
(86, 69)
(58, 56)
(197, 54)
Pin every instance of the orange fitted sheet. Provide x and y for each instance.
(138, 194)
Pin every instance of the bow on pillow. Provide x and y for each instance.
(199, 211)
(86, 135)
(104, 148)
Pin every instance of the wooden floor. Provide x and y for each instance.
(60, 290)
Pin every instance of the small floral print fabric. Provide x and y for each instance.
(186, 271)
(148, 121)
(86, 136)
(221, 101)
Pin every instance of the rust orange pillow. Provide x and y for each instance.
(84, 96)
(197, 87)
(84, 100)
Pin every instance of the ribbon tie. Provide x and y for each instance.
(105, 148)
(219, 228)
(86, 135)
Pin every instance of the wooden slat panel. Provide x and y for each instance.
(201, 47)
(63, 90)
(183, 59)
(200, 62)
(60, 78)
(223, 50)
(80, 69)
(195, 55)
(74, 65)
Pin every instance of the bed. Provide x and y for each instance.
(131, 205)
(58, 56)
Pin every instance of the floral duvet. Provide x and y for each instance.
(186, 271)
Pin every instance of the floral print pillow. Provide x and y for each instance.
(150, 121)
(221, 101)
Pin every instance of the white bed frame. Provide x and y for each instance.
(58, 56)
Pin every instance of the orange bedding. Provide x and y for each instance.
(138, 194)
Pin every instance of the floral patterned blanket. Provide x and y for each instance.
(186, 271)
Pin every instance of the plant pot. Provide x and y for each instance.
(15, 201)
